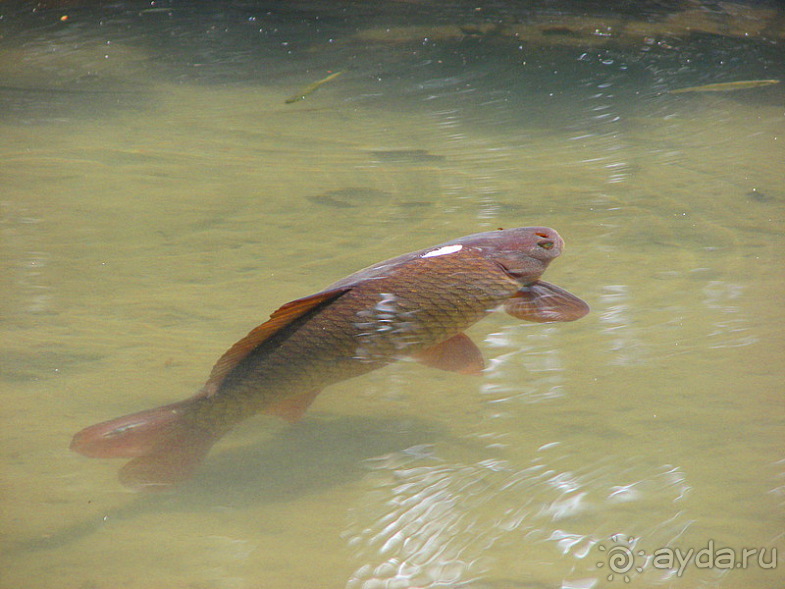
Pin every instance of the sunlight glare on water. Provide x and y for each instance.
(160, 198)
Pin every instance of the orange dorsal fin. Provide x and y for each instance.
(279, 320)
(292, 408)
(456, 354)
(544, 302)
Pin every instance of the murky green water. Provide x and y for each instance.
(159, 199)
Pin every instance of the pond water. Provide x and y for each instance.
(160, 198)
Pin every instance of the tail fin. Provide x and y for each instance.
(166, 449)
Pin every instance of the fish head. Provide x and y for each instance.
(523, 253)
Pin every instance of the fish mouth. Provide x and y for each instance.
(528, 256)
(525, 278)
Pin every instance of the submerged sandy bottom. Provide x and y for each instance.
(140, 242)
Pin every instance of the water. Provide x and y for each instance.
(159, 199)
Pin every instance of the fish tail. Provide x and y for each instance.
(166, 447)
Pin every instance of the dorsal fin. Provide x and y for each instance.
(284, 316)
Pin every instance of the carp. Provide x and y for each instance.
(416, 305)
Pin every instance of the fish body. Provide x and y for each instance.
(413, 306)
(726, 86)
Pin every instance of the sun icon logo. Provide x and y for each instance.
(620, 558)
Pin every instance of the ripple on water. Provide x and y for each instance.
(425, 522)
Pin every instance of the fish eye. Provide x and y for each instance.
(545, 244)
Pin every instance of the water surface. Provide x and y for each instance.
(159, 199)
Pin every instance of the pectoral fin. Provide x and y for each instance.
(457, 354)
(543, 302)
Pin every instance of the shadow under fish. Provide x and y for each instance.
(406, 157)
(353, 196)
(293, 462)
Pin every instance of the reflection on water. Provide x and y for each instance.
(160, 198)
(624, 344)
(733, 330)
(534, 352)
(429, 523)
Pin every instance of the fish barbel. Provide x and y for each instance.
(416, 305)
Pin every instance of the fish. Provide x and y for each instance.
(311, 88)
(416, 305)
(726, 86)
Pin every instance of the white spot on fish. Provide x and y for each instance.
(442, 251)
(386, 325)
(387, 304)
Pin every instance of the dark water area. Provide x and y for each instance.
(160, 198)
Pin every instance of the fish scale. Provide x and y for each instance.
(415, 305)
(324, 350)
